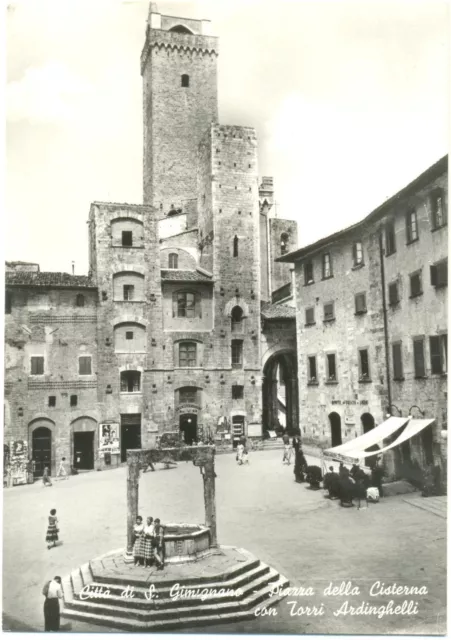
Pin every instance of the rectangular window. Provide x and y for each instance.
(127, 238)
(188, 354)
(357, 254)
(439, 274)
(416, 287)
(364, 364)
(310, 316)
(390, 240)
(237, 354)
(329, 313)
(237, 392)
(398, 373)
(186, 305)
(308, 273)
(331, 367)
(84, 366)
(130, 381)
(37, 365)
(129, 335)
(188, 395)
(418, 358)
(73, 401)
(129, 291)
(52, 401)
(439, 218)
(393, 294)
(327, 266)
(360, 303)
(312, 369)
(411, 227)
(438, 347)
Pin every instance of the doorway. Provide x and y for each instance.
(427, 445)
(42, 450)
(188, 427)
(84, 450)
(335, 428)
(130, 433)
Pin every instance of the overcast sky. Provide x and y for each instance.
(349, 100)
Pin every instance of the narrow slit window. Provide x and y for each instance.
(235, 247)
(185, 80)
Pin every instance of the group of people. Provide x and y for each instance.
(148, 543)
(352, 483)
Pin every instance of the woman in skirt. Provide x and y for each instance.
(147, 542)
(138, 551)
(52, 530)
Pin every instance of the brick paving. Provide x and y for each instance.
(306, 537)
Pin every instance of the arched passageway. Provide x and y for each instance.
(335, 428)
(280, 393)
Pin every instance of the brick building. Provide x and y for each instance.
(175, 327)
(371, 319)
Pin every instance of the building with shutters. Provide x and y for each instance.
(371, 321)
(185, 321)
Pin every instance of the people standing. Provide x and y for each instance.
(158, 544)
(298, 460)
(62, 473)
(52, 530)
(286, 450)
(148, 535)
(245, 457)
(46, 478)
(53, 593)
(377, 474)
(138, 532)
(239, 452)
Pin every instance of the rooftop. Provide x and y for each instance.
(47, 279)
(430, 174)
(176, 275)
(277, 311)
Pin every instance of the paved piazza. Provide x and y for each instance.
(307, 538)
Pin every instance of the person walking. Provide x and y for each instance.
(53, 593)
(52, 530)
(46, 478)
(62, 473)
(287, 450)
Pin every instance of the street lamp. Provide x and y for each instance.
(414, 406)
(389, 414)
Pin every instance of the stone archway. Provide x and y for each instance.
(280, 392)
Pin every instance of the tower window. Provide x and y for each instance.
(237, 354)
(130, 381)
(129, 290)
(237, 320)
(284, 243)
(127, 238)
(185, 80)
(173, 261)
(73, 401)
(235, 247)
(84, 366)
(80, 300)
(52, 401)
(187, 354)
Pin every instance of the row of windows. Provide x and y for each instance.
(37, 365)
(73, 401)
(439, 279)
(438, 352)
(438, 220)
(332, 371)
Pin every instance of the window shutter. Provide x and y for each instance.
(174, 305)
(418, 354)
(397, 362)
(436, 360)
(198, 305)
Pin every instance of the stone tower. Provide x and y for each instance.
(179, 70)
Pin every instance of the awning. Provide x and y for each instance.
(375, 436)
(353, 450)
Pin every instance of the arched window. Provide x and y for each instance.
(80, 301)
(173, 261)
(284, 243)
(235, 247)
(181, 29)
(130, 381)
(237, 320)
(185, 80)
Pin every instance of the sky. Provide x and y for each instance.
(350, 101)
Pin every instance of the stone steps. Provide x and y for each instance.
(162, 594)
(128, 618)
(169, 606)
(255, 580)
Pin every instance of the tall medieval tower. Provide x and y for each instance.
(179, 70)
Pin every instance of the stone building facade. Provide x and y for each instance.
(371, 319)
(173, 329)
